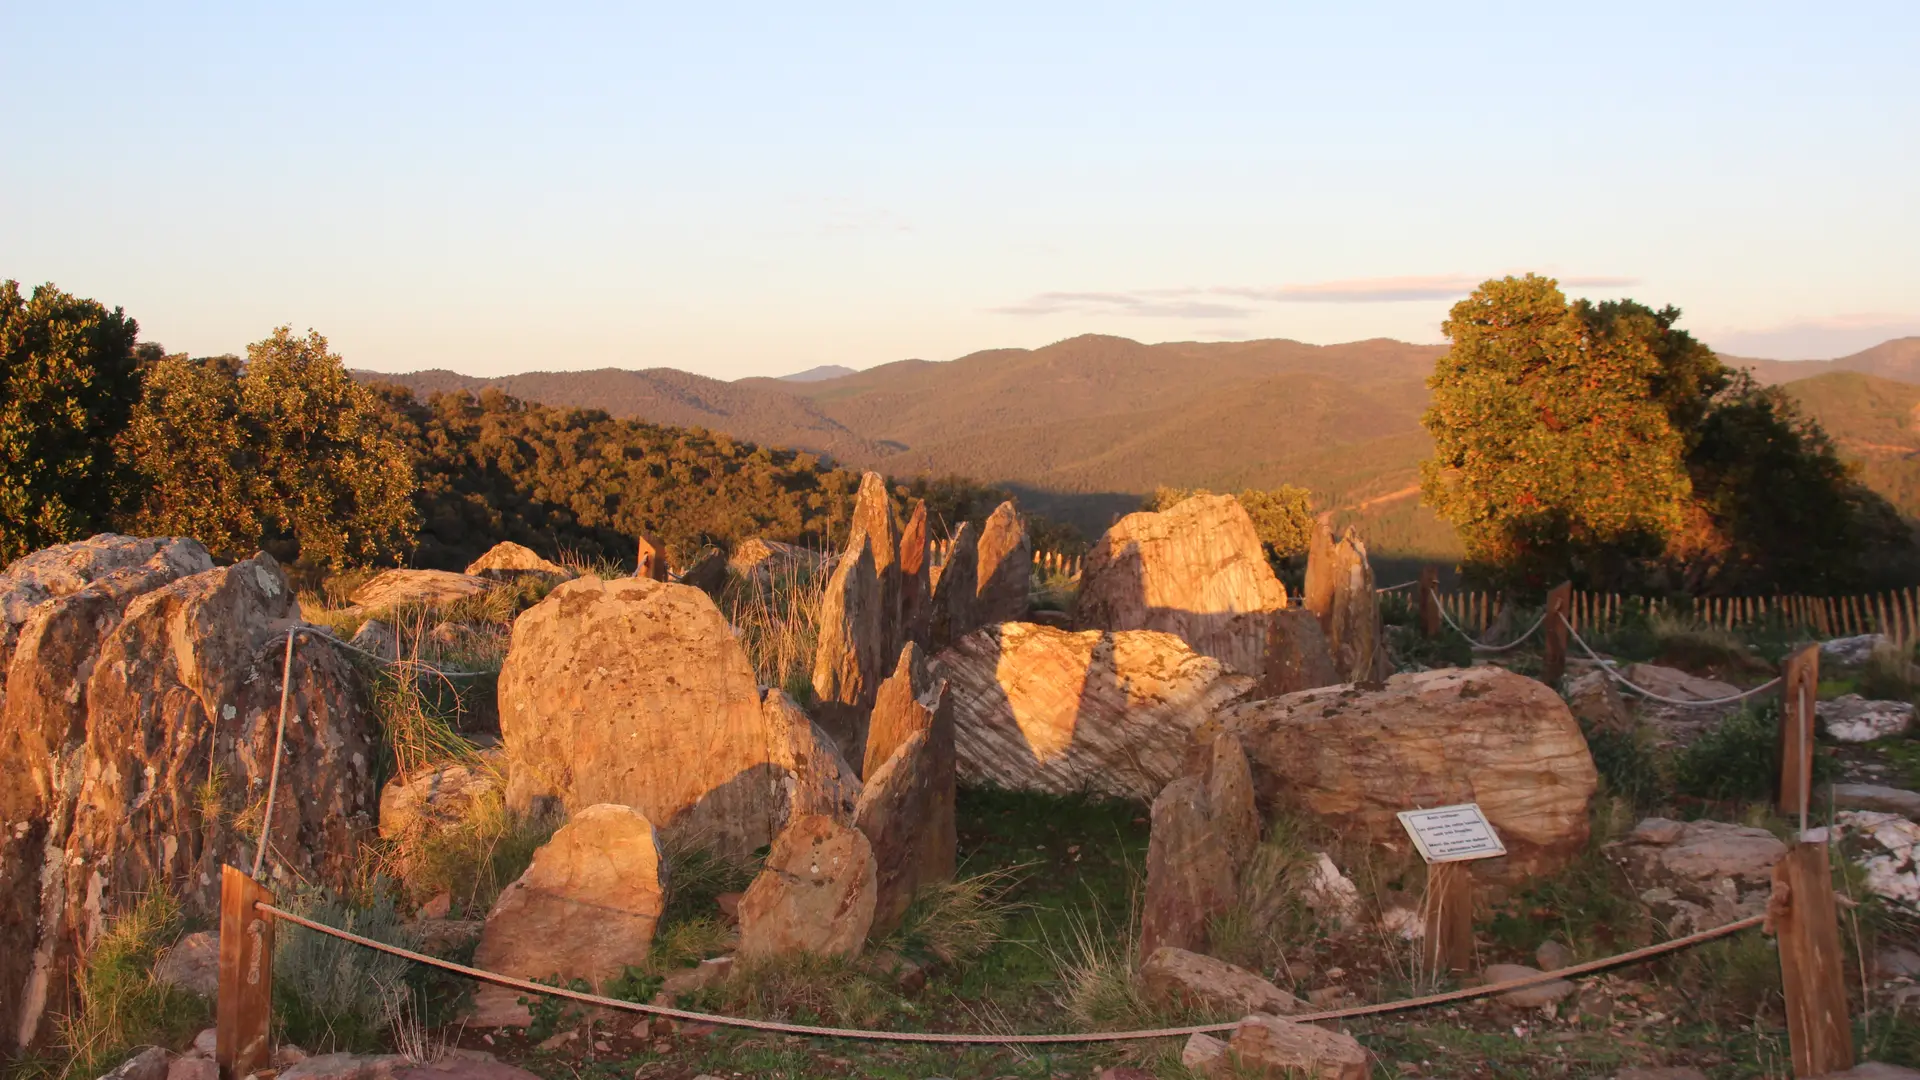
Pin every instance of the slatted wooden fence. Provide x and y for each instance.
(1055, 563)
(1895, 613)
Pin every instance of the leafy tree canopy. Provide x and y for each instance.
(68, 380)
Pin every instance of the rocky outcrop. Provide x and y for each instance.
(916, 580)
(906, 807)
(507, 559)
(1204, 829)
(1339, 592)
(1854, 719)
(417, 588)
(1357, 757)
(134, 691)
(1699, 874)
(1037, 709)
(1297, 654)
(636, 692)
(849, 655)
(1195, 570)
(955, 588)
(1182, 979)
(1004, 568)
(585, 909)
(816, 893)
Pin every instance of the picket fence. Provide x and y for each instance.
(1055, 563)
(1895, 613)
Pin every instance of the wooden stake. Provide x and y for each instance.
(1800, 686)
(1559, 602)
(1449, 918)
(1429, 601)
(244, 1008)
(1801, 912)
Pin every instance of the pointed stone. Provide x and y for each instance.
(1340, 593)
(906, 811)
(953, 593)
(816, 893)
(916, 581)
(847, 661)
(1204, 828)
(1005, 568)
(897, 711)
(873, 519)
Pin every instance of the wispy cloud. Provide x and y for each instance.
(1241, 301)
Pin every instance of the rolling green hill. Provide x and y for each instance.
(1876, 424)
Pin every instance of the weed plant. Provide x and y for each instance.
(1051, 590)
(955, 921)
(1629, 769)
(332, 995)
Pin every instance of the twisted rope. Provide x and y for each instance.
(957, 1038)
(1476, 643)
(1644, 692)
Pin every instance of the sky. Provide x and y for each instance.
(756, 189)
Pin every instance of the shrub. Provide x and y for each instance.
(1887, 675)
(1693, 646)
(473, 858)
(1627, 766)
(331, 994)
(1739, 758)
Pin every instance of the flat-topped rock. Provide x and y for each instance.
(1180, 978)
(1886, 800)
(1699, 874)
(1674, 683)
(424, 588)
(1851, 718)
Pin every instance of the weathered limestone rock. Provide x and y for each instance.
(1268, 1046)
(1527, 997)
(849, 657)
(650, 558)
(427, 588)
(1037, 709)
(1339, 592)
(636, 692)
(192, 964)
(585, 909)
(1297, 654)
(1181, 978)
(1004, 573)
(132, 696)
(1195, 570)
(1204, 828)
(815, 895)
(955, 588)
(906, 807)
(1851, 718)
(1852, 651)
(1887, 847)
(1699, 874)
(916, 580)
(1593, 699)
(1432, 738)
(1331, 894)
(507, 559)
(1674, 683)
(377, 638)
(434, 798)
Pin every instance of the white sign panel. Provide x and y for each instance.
(1452, 833)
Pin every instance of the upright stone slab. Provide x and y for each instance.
(816, 893)
(1005, 568)
(906, 812)
(1341, 595)
(954, 615)
(1195, 570)
(873, 519)
(850, 653)
(1204, 829)
(897, 710)
(586, 908)
(1297, 654)
(916, 580)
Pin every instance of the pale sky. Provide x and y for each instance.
(756, 189)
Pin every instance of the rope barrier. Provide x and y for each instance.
(314, 631)
(953, 1038)
(1397, 588)
(1477, 643)
(1644, 692)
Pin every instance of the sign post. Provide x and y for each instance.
(1429, 601)
(1448, 837)
(243, 1010)
(1800, 687)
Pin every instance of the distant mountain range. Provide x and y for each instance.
(1083, 428)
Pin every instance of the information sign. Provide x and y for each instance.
(1452, 833)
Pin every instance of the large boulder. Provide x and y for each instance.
(816, 893)
(585, 908)
(1339, 591)
(955, 589)
(181, 704)
(507, 559)
(1204, 828)
(1433, 738)
(1195, 570)
(1004, 568)
(423, 588)
(1039, 709)
(1699, 874)
(636, 692)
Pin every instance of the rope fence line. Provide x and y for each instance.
(315, 631)
(1476, 643)
(961, 1038)
(1644, 692)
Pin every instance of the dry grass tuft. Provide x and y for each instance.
(121, 1005)
(952, 921)
(778, 624)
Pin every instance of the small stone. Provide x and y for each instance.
(1527, 997)
(555, 1042)
(1122, 1072)
(1552, 956)
(1663, 1073)
(1873, 1070)
(439, 907)
(192, 964)
(206, 1042)
(346, 1067)
(1272, 1046)
(1326, 995)
(729, 905)
(149, 1064)
(1177, 976)
(1204, 1054)
(707, 973)
(1894, 962)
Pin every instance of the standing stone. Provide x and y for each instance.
(817, 780)
(906, 812)
(897, 711)
(873, 519)
(650, 559)
(636, 692)
(1204, 829)
(1297, 654)
(1005, 568)
(585, 909)
(1195, 570)
(916, 581)
(1432, 738)
(1340, 593)
(954, 592)
(816, 893)
(848, 658)
(1039, 709)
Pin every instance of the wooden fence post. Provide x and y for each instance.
(1449, 918)
(1429, 601)
(243, 1010)
(1559, 602)
(1799, 688)
(1801, 913)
